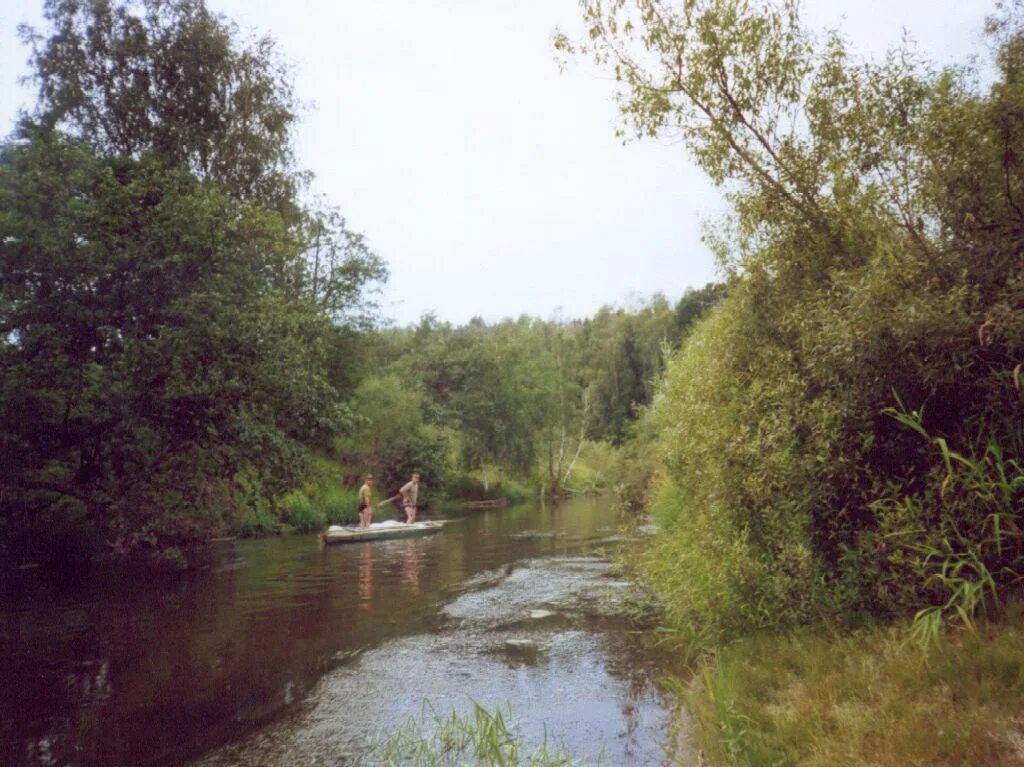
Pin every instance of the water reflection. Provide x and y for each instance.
(366, 575)
(568, 674)
(411, 567)
(112, 669)
(91, 683)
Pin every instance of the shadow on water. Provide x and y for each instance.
(291, 652)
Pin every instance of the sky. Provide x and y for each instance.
(491, 182)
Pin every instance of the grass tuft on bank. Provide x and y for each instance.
(869, 698)
(483, 737)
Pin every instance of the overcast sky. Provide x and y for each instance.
(490, 182)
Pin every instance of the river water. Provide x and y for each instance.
(286, 652)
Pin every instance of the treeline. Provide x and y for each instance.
(843, 435)
(510, 409)
(471, 405)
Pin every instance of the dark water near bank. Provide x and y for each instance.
(285, 652)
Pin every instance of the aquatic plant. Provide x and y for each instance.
(483, 737)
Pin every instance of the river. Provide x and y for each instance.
(286, 652)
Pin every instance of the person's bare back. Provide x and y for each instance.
(410, 493)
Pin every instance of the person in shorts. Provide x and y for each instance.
(366, 503)
(409, 492)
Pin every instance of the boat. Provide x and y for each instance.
(380, 531)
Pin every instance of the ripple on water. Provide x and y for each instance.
(562, 675)
(564, 583)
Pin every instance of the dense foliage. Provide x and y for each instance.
(845, 431)
(526, 398)
(169, 307)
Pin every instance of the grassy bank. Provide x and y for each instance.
(868, 698)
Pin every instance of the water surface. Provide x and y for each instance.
(284, 651)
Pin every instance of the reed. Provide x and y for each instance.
(482, 737)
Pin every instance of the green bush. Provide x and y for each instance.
(514, 490)
(470, 487)
(301, 514)
(712, 581)
(339, 504)
(256, 522)
(737, 552)
(255, 516)
(873, 254)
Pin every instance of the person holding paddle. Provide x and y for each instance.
(366, 503)
(409, 492)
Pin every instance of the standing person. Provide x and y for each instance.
(409, 492)
(366, 503)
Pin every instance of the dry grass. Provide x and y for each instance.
(870, 699)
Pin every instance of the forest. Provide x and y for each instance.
(831, 436)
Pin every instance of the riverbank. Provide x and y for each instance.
(869, 697)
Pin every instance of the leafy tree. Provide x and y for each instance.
(390, 438)
(145, 360)
(874, 249)
(624, 355)
(170, 79)
(694, 304)
(172, 315)
(509, 390)
(483, 378)
(339, 268)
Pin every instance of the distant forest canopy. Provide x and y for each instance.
(521, 396)
(189, 342)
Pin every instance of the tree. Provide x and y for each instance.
(145, 361)
(874, 258)
(339, 268)
(623, 355)
(390, 438)
(694, 304)
(170, 79)
(171, 313)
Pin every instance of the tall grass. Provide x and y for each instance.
(869, 698)
(301, 514)
(484, 738)
(964, 540)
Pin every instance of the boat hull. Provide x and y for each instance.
(355, 535)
